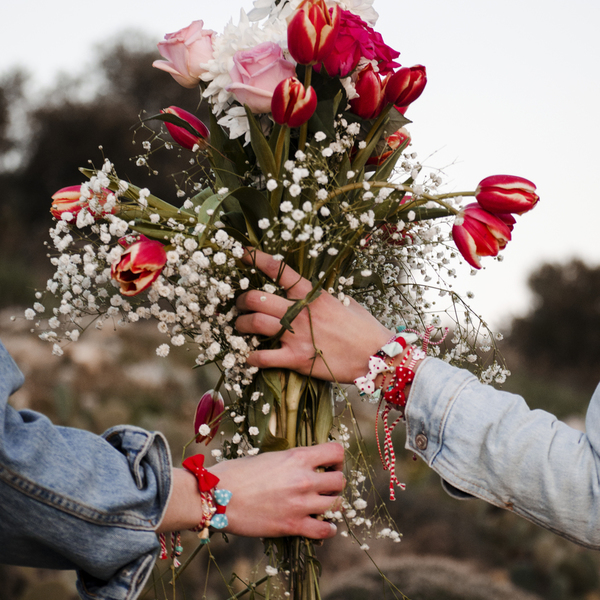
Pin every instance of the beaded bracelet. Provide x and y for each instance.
(214, 504)
(214, 501)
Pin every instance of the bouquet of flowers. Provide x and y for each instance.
(306, 158)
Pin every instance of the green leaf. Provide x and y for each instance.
(212, 203)
(201, 196)
(264, 154)
(273, 444)
(226, 156)
(255, 207)
(362, 281)
(396, 120)
(324, 418)
(272, 378)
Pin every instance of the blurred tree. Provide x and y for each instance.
(561, 334)
(63, 132)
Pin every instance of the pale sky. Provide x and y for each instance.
(513, 87)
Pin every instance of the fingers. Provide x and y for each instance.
(289, 280)
(258, 324)
(315, 529)
(262, 302)
(330, 455)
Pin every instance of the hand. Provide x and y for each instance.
(280, 493)
(346, 336)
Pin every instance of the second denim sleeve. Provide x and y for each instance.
(488, 444)
(70, 499)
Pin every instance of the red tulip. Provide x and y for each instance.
(370, 94)
(478, 233)
(70, 200)
(139, 266)
(506, 194)
(312, 31)
(292, 104)
(182, 136)
(208, 413)
(405, 85)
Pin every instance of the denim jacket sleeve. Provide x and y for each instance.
(70, 499)
(488, 444)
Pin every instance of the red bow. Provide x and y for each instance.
(206, 480)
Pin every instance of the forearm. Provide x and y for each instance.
(489, 444)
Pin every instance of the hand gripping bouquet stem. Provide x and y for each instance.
(305, 157)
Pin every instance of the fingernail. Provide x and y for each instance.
(333, 528)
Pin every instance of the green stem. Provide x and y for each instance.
(304, 126)
(249, 588)
(400, 187)
(293, 392)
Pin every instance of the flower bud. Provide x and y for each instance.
(405, 85)
(506, 194)
(370, 94)
(70, 200)
(208, 416)
(182, 136)
(292, 104)
(139, 266)
(478, 233)
(312, 31)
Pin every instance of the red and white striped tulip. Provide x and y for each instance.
(70, 200)
(478, 233)
(506, 194)
(405, 85)
(292, 104)
(139, 266)
(208, 416)
(182, 136)
(312, 31)
(369, 88)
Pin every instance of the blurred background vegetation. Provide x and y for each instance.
(451, 550)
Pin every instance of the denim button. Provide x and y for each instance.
(421, 441)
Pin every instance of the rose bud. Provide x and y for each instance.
(312, 31)
(478, 233)
(506, 194)
(139, 266)
(186, 50)
(393, 142)
(370, 94)
(405, 85)
(208, 416)
(182, 136)
(292, 104)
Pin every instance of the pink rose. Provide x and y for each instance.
(185, 50)
(357, 40)
(256, 73)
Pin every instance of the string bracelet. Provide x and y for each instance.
(214, 505)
